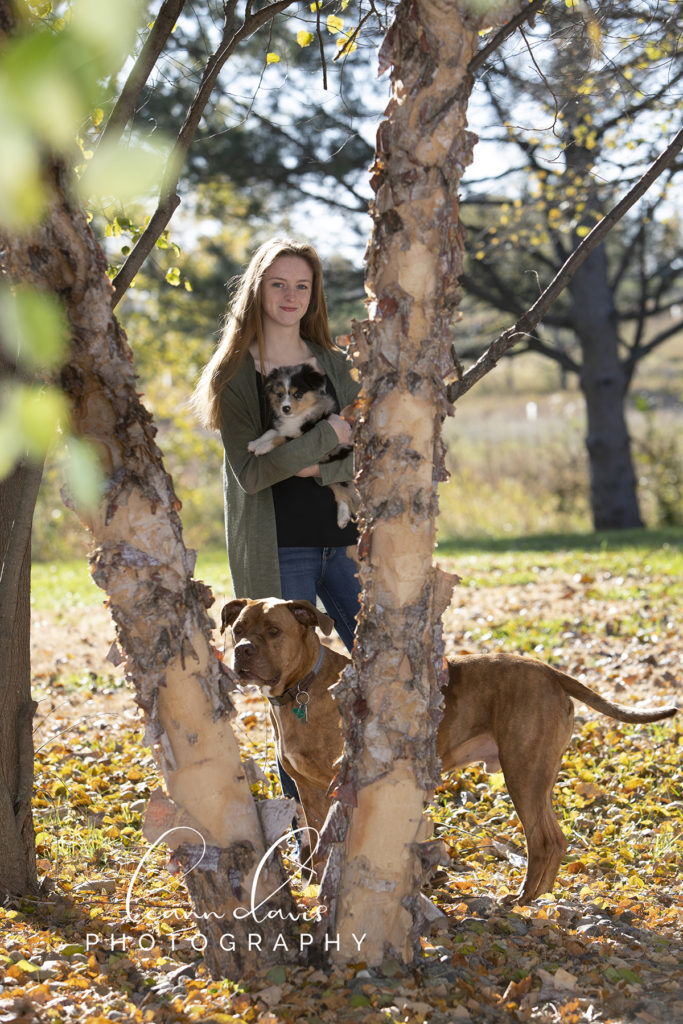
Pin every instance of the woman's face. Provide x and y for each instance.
(286, 291)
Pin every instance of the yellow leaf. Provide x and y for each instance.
(582, 231)
(272, 58)
(594, 34)
(334, 24)
(304, 38)
(346, 42)
(22, 967)
(97, 116)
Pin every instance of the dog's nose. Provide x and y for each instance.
(286, 408)
(244, 649)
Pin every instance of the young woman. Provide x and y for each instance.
(281, 526)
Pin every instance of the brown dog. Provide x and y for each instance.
(512, 713)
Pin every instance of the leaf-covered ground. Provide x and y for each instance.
(112, 937)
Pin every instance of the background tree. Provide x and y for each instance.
(604, 84)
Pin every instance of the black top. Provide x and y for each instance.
(305, 511)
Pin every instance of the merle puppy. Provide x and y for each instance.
(299, 399)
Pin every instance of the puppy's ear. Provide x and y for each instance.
(313, 380)
(230, 611)
(308, 615)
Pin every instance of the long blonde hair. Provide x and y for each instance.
(244, 324)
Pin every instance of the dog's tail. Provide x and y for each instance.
(607, 707)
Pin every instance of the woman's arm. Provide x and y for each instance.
(256, 472)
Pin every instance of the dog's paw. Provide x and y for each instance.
(343, 515)
(260, 447)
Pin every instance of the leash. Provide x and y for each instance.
(300, 693)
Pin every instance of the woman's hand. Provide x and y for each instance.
(341, 428)
(309, 471)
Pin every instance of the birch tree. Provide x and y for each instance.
(378, 835)
(207, 813)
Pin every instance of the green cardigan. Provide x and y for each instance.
(248, 479)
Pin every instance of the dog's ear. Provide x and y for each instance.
(230, 611)
(312, 379)
(308, 615)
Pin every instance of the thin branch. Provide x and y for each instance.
(168, 200)
(321, 47)
(652, 344)
(527, 323)
(142, 69)
(526, 14)
(534, 343)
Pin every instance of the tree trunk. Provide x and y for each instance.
(18, 494)
(160, 612)
(614, 500)
(390, 699)
(613, 496)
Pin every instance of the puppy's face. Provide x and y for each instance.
(293, 390)
(274, 641)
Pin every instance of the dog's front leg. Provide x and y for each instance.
(266, 442)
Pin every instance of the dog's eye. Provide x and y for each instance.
(237, 631)
(298, 395)
(274, 631)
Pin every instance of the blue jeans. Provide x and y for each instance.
(327, 573)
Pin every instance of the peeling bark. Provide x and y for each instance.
(390, 699)
(160, 612)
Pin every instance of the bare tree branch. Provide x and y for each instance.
(168, 200)
(499, 38)
(526, 324)
(653, 343)
(142, 69)
(534, 343)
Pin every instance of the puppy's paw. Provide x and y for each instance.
(260, 447)
(343, 515)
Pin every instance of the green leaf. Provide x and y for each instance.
(83, 472)
(123, 173)
(32, 327)
(30, 417)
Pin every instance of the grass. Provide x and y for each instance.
(485, 562)
(627, 555)
(54, 584)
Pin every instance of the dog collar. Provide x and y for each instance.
(302, 686)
